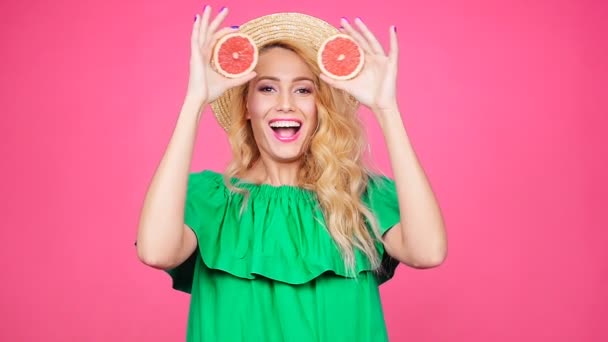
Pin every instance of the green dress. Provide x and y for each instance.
(272, 272)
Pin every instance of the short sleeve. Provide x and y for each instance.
(183, 274)
(381, 198)
(191, 216)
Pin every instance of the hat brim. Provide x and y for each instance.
(289, 26)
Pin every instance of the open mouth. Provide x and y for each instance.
(285, 130)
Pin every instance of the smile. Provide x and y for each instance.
(286, 130)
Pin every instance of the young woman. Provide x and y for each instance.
(291, 242)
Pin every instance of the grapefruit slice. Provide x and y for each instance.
(340, 57)
(235, 55)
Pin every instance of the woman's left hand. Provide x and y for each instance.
(375, 85)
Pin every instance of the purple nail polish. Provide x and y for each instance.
(223, 8)
(395, 28)
(234, 26)
(195, 17)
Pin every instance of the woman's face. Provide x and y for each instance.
(281, 105)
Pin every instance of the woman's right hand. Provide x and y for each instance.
(205, 84)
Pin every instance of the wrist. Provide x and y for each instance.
(387, 115)
(193, 106)
(386, 108)
(194, 99)
(194, 102)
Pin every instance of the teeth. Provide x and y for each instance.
(285, 123)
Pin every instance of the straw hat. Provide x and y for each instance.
(289, 26)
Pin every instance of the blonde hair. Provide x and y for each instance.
(333, 164)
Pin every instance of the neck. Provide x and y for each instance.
(270, 172)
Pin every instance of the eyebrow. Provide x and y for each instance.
(272, 78)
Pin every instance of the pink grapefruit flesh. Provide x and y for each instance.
(235, 55)
(340, 57)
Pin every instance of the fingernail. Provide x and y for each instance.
(196, 16)
(344, 18)
(223, 8)
(395, 28)
(234, 26)
(359, 18)
(205, 8)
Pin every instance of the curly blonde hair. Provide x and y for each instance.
(333, 164)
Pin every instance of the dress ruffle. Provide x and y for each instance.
(279, 234)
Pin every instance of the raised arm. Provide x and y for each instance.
(163, 240)
(420, 239)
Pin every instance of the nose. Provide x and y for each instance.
(285, 102)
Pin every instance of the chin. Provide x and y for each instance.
(286, 155)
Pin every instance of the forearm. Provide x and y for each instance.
(160, 231)
(423, 233)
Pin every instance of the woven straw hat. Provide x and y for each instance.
(289, 26)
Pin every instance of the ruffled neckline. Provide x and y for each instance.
(261, 189)
(276, 232)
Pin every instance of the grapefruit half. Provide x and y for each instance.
(235, 55)
(340, 57)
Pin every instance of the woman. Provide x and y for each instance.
(292, 241)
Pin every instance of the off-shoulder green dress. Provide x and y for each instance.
(272, 272)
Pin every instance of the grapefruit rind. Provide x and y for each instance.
(216, 55)
(322, 66)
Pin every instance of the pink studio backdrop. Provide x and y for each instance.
(504, 102)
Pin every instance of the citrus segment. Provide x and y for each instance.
(340, 57)
(235, 55)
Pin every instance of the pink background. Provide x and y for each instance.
(505, 103)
